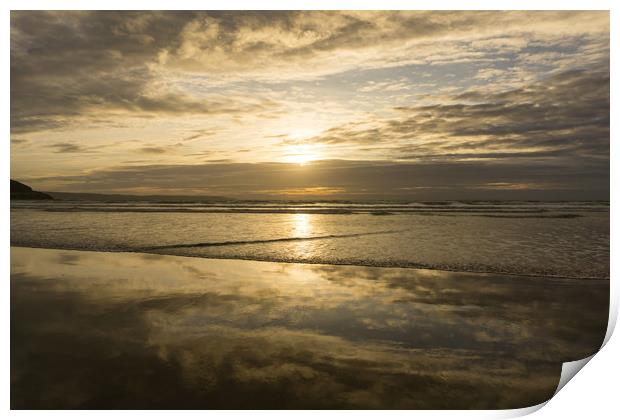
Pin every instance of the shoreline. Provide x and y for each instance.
(412, 266)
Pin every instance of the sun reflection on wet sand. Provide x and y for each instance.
(108, 330)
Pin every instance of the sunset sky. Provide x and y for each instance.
(333, 105)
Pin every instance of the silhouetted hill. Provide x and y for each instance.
(127, 197)
(21, 191)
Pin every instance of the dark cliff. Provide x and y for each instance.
(21, 191)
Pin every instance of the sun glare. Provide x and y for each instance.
(301, 154)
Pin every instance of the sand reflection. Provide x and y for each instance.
(104, 330)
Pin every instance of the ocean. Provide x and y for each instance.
(558, 239)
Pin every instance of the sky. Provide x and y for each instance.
(313, 105)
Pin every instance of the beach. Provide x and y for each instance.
(311, 209)
(137, 330)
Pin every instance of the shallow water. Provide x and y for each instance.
(121, 330)
(569, 239)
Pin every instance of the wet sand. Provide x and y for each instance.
(122, 330)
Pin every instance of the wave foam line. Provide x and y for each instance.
(263, 241)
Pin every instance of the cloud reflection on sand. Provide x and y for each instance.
(110, 330)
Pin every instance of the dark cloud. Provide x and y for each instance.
(66, 65)
(218, 160)
(200, 134)
(155, 150)
(355, 180)
(566, 115)
(65, 62)
(265, 39)
(68, 148)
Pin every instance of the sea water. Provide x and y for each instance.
(563, 239)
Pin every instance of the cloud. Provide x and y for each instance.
(337, 179)
(71, 65)
(67, 66)
(200, 133)
(265, 45)
(68, 148)
(155, 150)
(566, 115)
(488, 73)
(388, 85)
(455, 96)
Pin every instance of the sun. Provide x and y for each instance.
(301, 154)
